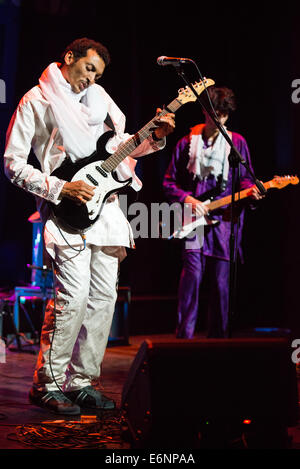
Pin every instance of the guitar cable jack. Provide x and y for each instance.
(83, 237)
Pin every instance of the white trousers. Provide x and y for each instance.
(77, 322)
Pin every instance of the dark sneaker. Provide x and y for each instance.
(54, 401)
(90, 398)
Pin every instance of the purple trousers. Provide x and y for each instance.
(215, 272)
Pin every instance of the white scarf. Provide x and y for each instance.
(77, 114)
(212, 160)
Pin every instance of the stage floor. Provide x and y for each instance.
(24, 426)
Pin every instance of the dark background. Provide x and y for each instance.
(253, 51)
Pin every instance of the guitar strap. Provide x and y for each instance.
(223, 184)
(108, 121)
(217, 190)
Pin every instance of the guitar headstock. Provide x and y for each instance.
(281, 181)
(186, 95)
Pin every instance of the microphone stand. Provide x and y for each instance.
(234, 158)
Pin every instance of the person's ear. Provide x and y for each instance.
(69, 58)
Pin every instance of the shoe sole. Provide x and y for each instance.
(97, 408)
(80, 401)
(55, 411)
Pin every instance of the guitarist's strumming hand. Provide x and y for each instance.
(198, 208)
(79, 191)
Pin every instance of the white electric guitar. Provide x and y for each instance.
(98, 169)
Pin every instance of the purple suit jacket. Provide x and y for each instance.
(178, 183)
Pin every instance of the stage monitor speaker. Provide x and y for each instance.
(176, 389)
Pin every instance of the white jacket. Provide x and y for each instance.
(33, 126)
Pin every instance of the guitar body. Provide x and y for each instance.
(81, 217)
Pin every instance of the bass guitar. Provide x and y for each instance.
(277, 182)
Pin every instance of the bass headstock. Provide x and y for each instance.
(279, 182)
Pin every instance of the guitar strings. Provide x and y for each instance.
(112, 162)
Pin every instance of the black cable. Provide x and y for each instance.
(54, 294)
(69, 434)
(78, 231)
(54, 329)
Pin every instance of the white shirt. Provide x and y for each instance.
(33, 126)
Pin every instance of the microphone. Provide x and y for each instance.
(163, 60)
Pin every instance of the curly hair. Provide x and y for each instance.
(80, 46)
(223, 99)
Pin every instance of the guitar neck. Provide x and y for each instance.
(237, 196)
(127, 147)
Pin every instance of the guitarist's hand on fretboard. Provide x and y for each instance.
(165, 124)
(255, 194)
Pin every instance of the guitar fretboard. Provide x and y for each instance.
(237, 196)
(126, 148)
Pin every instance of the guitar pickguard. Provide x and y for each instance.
(89, 170)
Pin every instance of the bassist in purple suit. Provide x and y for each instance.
(199, 167)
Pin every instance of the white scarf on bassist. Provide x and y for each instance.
(211, 160)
